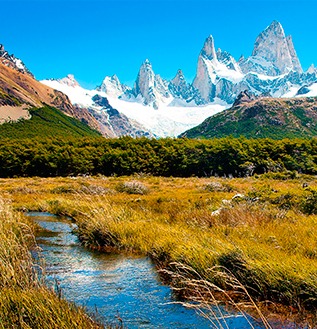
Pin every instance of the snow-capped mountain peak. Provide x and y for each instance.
(150, 86)
(275, 29)
(166, 107)
(271, 45)
(146, 66)
(212, 72)
(144, 84)
(147, 62)
(69, 86)
(12, 61)
(312, 69)
(226, 58)
(112, 86)
(208, 50)
(273, 53)
(69, 80)
(185, 93)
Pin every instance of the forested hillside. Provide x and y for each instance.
(261, 118)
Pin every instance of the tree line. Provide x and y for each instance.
(228, 156)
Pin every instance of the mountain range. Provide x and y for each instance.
(156, 107)
(168, 108)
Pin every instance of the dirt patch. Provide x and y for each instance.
(13, 113)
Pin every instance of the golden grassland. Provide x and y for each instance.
(266, 238)
(25, 302)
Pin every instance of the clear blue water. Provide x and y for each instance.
(117, 285)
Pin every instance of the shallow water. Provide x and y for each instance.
(117, 286)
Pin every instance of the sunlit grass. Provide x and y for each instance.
(40, 308)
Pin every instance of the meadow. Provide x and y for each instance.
(251, 241)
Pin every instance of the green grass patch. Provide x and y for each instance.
(46, 122)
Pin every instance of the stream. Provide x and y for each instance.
(117, 287)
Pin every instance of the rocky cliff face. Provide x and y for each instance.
(17, 87)
(218, 74)
(206, 75)
(179, 83)
(113, 123)
(24, 89)
(295, 61)
(70, 81)
(273, 68)
(180, 89)
(227, 59)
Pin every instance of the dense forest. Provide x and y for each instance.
(165, 157)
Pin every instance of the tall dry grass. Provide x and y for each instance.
(25, 302)
(208, 298)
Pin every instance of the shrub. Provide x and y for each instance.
(309, 202)
(133, 187)
(218, 187)
(280, 175)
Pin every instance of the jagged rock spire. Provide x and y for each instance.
(11, 61)
(295, 61)
(150, 86)
(144, 84)
(274, 52)
(208, 50)
(179, 78)
(312, 69)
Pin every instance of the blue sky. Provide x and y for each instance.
(92, 39)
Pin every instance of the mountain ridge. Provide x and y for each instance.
(17, 88)
(261, 117)
(111, 123)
